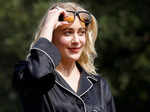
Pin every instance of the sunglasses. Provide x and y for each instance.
(83, 16)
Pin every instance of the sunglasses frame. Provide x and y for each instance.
(76, 13)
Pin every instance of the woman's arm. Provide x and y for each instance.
(35, 75)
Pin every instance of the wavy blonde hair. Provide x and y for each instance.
(88, 55)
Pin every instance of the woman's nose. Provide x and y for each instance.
(75, 38)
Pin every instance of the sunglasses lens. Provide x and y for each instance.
(69, 17)
(85, 17)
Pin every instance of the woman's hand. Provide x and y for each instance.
(51, 23)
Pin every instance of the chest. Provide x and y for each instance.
(72, 80)
(65, 100)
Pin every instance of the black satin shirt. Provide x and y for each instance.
(42, 89)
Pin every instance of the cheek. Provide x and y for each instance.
(83, 40)
(64, 42)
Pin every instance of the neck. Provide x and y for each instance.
(67, 68)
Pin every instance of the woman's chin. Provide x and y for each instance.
(74, 57)
(71, 56)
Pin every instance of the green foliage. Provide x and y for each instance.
(122, 45)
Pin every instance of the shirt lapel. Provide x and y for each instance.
(84, 85)
(59, 79)
(86, 81)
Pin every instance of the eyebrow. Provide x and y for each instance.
(82, 28)
(72, 28)
(66, 29)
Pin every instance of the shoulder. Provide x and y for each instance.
(104, 87)
(99, 79)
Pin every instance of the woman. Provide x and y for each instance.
(59, 73)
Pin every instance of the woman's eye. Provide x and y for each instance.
(81, 33)
(67, 33)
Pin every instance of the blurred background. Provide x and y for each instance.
(123, 47)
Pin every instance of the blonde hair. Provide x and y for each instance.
(88, 55)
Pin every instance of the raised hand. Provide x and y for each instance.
(51, 22)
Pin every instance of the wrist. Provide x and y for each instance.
(47, 33)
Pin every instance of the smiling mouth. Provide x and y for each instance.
(75, 50)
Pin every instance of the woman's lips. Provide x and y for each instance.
(75, 50)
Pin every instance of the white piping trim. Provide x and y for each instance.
(28, 56)
(92, 78)
(88, 88)
(73, 94)
(46, 54)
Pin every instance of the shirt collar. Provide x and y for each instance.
(86, 81)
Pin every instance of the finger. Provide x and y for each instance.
(61, 10)
(52, 10)
(57, 11)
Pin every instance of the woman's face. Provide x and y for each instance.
(70, 40)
